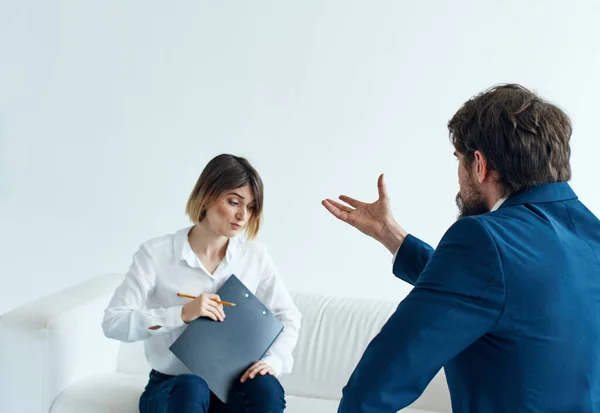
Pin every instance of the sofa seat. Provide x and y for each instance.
(119, 393)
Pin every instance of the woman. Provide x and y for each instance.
(226, 201)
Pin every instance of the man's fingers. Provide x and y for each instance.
(341, 207)
(381, 187)
(339, 214)
(351, 201)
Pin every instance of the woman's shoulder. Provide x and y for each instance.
(167, 242)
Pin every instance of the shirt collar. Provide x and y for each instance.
(182, 250)
(498, 204)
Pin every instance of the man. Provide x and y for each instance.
(509, 302)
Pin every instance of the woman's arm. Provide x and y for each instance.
(126, 318)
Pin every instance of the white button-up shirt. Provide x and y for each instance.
(166, 266)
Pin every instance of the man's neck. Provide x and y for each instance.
(493, 197)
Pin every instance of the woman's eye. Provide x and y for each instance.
(234, 203)
(251, 207)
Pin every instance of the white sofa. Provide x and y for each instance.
(54, 357)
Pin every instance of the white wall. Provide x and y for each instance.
(109, 110)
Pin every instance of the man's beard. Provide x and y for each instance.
(471, 202)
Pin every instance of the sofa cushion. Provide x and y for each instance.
(102, 393)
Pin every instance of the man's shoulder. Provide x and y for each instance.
(465, 225)
(519, 223)
(468, 232)
(485, 228)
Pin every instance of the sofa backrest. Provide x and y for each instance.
(335, 332)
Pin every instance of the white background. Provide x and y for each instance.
(109, 111)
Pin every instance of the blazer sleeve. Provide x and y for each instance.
(411, 259)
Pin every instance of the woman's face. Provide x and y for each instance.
(230, 212)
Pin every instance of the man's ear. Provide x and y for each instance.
(481, 166)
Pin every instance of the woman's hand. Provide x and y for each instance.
(203, 306)
(258, 368)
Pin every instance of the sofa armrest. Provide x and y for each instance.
(47, 345)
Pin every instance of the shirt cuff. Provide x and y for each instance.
(173, 317)
(274, 362)
(395, 255)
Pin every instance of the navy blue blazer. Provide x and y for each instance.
(508, 304)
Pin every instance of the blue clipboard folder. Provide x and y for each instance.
(220, 352)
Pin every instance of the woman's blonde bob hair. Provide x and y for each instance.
(223, 173)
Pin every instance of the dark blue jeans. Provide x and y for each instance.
(188, 393)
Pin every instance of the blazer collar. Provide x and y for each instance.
(553, 192)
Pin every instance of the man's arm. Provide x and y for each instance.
(411, 258)
(456, 300)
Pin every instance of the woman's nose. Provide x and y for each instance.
(241, 215)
